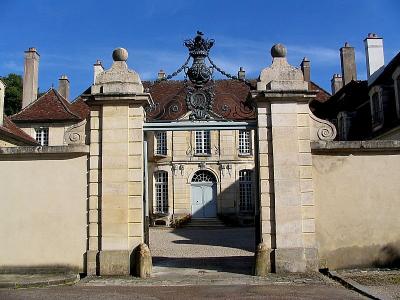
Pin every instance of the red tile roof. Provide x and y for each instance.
(9, 129)
(51, 107)
(230, 102)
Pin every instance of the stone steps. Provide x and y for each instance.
(206, 222)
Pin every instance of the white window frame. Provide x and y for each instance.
(376, 104)
(245, 148)
(161, 192)
(161, 143)
(202, 140)
(246, 201)
(42, 135)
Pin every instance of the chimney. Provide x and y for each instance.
(241, 74)
(97, 69)
(2, 92)
(305, 68)
(161, 75)
(348, 61)
(63, 86)
(31, 74)
(374, 53)
(336, 83)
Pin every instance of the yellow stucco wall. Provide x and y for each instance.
(42, 211)
(357, 206)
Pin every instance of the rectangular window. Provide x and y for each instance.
(244, 142)
(161, 185)
(398, 95)
(203, 144)
(42, 136)
(161, 143)
(377, 111)
(245, 191)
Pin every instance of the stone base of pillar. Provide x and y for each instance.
(262, 260)
(295, 260)
(114, 262)
(91, 262)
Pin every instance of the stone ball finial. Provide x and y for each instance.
(278, 50)
(120, 54)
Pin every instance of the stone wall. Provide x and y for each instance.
(42, 208)
(357, 202)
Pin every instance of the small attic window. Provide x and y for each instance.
(101, 90)
(42, 136)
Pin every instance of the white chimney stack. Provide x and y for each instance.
(97, 69)
(31, 76)
(2, 92)
(374, 54)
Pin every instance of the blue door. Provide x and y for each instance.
(204, 195)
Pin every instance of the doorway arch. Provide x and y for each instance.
(204, 195)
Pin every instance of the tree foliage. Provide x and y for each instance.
(13, 93)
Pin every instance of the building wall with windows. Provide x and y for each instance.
(228, 154)
(47, 134)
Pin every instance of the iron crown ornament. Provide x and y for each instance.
(199, 73)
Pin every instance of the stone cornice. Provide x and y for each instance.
(35, 150)
(328, 147)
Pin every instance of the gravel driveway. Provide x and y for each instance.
(229, 249)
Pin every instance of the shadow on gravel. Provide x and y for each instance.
(230, 237)
(229, 264)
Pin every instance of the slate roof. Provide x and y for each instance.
(12, 131)
(50, 107)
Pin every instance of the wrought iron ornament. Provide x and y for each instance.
(200, 96)
(199, 83)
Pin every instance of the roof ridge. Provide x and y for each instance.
(30, 104)
(61, 98)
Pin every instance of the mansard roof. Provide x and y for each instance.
(12, 131)
(50, 107)
(231, 100)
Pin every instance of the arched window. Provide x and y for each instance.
(245, 190)
(203, 176)
(161, 185)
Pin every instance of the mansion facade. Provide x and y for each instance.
(81, 180)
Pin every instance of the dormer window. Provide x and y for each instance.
(343, 125)
(376, 107)
(161, 143)
(42, 136)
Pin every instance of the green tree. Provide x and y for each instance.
(13, 93)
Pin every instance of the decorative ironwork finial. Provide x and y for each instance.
(199, 73)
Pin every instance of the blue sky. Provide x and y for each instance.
(71, 35)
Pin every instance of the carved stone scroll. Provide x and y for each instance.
(321, 130)
(75, 134)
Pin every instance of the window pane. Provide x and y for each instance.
(244, 142)
(202, 142)
(245, 191)
(42, 136)
(161, 185)
(161, 143)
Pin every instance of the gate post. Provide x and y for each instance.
(285, 167)
(115, 168)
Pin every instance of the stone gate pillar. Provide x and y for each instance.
(115, 212)
(285, 129)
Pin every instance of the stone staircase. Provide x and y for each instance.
(205, 223)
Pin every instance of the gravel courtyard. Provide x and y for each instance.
(227, 249)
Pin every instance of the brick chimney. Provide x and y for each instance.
(63, 86)
(348, 62)
(2, 92)
(336, 83)
(305, 68)
(241, 74)
(374, 53)
(31, 76)
(97, 69)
